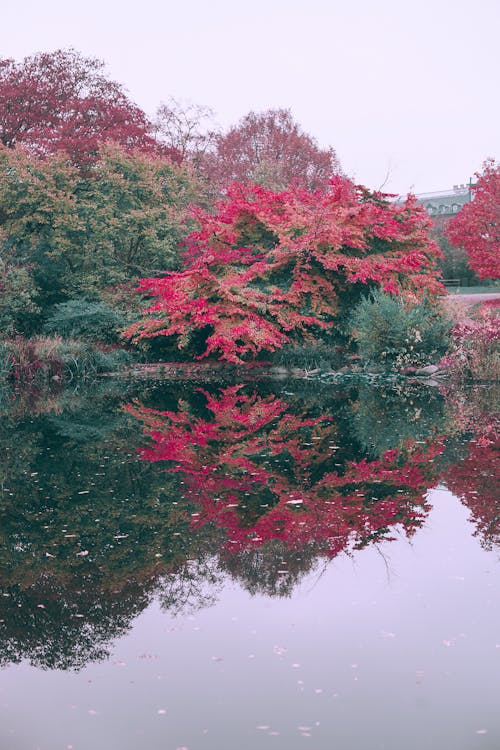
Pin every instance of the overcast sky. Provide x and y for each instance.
(408, 89)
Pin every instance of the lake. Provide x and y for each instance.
(254, 565)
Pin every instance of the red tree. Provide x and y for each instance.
(63, 101)
(270, 149)
(477, 227)
(269, 266)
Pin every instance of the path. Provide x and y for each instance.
(475, 299)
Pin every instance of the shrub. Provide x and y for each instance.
(42, 359)
(80, 318)
(476, 351)
(393, 332)
(309, 356)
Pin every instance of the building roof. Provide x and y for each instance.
(445, 202)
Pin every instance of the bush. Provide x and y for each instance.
(80, 318)
(392, 332)
(309, 356)
(42, 359)
(475, 354)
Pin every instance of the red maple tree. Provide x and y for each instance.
(62, 101)
(270, 266)
(476, 227)
(271, 149)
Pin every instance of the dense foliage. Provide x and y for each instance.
(79, 318)
(65, 233)
(270, 149)
(393, 332)
(475, 354)
(62, 101)
(270, 267)
(477, 226)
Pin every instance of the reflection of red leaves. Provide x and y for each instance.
(475, 480)
(250, 471)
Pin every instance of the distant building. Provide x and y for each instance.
(441, 207)
(445, 202)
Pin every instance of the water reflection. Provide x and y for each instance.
(112, 500)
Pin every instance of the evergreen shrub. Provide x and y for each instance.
(83, 319)
(392, 332)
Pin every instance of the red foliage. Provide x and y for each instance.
(476, 479)
(272, 265)
(62, 101)
(261, 473)
(477, 226)
(476, 346)
(269, 148)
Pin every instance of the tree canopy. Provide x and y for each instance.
(63, 101)
(269, 148)
(477, 226)
(77, 233)
(270, 266)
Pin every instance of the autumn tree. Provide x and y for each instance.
(270, 149)
(477, 226)
(63, 101)
(271, 267)
(81, 233)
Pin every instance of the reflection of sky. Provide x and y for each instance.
(398, 647)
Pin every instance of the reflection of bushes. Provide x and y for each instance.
(392, 333)
(388, 417)
(263, 470)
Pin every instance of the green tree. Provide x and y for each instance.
(84, 234)
(17, 292)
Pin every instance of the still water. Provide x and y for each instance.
(250, 566)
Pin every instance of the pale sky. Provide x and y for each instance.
(409, 90)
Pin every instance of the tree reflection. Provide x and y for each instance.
(262, 469)
(105, 506)
(475, 478)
